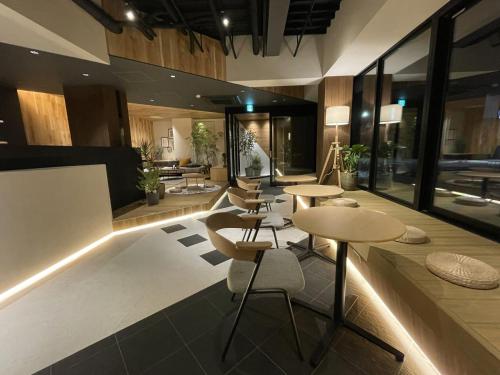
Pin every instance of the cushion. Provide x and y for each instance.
(462, 270)
(470, 201)
(184, 162)
(269, 198)
(280, 269)
(343, 202)
(413, 235)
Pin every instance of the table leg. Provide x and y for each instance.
(484, 188)
(339, 315)
(294, 199)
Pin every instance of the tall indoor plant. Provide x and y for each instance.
(350, 162)
(149, 153)
(247, 144)
(204, 144)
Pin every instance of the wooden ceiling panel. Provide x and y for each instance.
(154, 112)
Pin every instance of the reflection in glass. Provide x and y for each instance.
(468, 181)
(366, 111)
(403, 91)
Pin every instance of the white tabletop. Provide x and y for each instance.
(314, 191)
(300, 178)
(349, 224)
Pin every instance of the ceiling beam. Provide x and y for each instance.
(276, 21)
(254, 26)
(218, 25)
(306, 23)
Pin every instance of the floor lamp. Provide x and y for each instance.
(335, 116)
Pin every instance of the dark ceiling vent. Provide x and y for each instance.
(223, 100)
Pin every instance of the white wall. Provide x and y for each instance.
(48, 214)
(57, 26)
(182, 131)
(257, 71)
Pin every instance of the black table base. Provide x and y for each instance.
(339, 319)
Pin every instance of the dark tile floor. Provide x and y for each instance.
(188, 337)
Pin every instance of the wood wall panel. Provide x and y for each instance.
(141, 130)
(170, 48)
(332, 91)
(45, 118)
(293, 91)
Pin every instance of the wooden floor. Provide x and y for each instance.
(171, 206)
(458, 328)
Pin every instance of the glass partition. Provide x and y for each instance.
(403, 92)
(364, 98)
(468, 176)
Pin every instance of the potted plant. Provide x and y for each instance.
(256, 165)
(247, 143)
(204, 144)
(350, 161)
(150, 153)
(149, 182)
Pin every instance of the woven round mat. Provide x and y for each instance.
(344, 202)
(413, 235)
(462, 270)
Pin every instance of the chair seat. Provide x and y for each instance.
(343, 202)
(269, 198)
(280, 269)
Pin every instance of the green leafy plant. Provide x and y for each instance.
(351, 156)
(149, 180)
(256, 163)
(204, 144)
(148, 153)
(247, 144)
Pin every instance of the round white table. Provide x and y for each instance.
(345, 224)
(312, 192)
(485, 176)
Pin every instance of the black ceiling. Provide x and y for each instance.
(311, 16)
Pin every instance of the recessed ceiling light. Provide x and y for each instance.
(225, 21)
(130, 14)
(172, 75)
(2, 121)
(85, 74)
(151, 100)
(242, 91)
(275, 100)
(34, 52)
(198, 96)
(191, 105)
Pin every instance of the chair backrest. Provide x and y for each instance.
(246, 183)
(238, 197)
(222, 220)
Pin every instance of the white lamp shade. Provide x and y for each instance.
(337, 115)
(390, 114)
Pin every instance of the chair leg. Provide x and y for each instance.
(260, 254)
(275, 236)
(244, 235)
(249, 234)
(294, 325)
(255, 235)
(233, 296)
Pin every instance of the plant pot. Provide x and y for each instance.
(349, 181)
(256, 172)
(161, 190)
(152, 198)
(249, 172)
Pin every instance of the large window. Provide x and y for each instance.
(403, 91)
(468, 182)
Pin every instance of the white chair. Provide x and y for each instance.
(255, 268)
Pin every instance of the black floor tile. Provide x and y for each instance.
(221, 299)
(322, 269)
(256, 364)
(196, 319)
(282, 350)
(314, 284)
(209, 347)
(147, 347)
(181, 362)
(139, 326)
(192, 240)
(107, 362)
(215, 257)
(173, 228)
(333, 363)
(83, 354)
